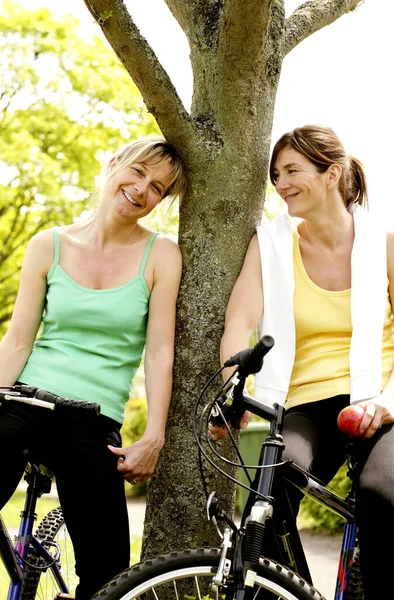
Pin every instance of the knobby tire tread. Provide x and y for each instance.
(356, 588)
(123, 583)
(47, 530)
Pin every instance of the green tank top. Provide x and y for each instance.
(91, 341)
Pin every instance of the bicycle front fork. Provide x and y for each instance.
(248, 543)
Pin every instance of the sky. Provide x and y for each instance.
(341, 77)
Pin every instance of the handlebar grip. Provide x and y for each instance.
(89, 408)
(251, 360)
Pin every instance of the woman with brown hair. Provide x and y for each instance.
(323, 286)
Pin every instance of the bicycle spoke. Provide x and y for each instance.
(154, 593)
(198, 588)
(176, 590)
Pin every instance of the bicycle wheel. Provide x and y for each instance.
(356, 589)
(38, 581)
(188, 574)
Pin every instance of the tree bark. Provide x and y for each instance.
(237, 49)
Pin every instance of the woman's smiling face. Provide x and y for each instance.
(138, 188)
(298, 182)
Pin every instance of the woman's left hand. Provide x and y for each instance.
(379, 411)
(137, 462)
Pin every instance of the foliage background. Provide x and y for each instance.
(65, 105)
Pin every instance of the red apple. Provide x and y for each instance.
(349, 420)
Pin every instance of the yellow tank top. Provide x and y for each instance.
(323, 333)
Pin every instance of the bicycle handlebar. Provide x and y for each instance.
(251, 360)
(27, 393)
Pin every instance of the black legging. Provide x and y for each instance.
(90, 488)
(314, 442)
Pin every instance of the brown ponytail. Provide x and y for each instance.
(355, 189)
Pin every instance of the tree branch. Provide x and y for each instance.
(243, 30)
(198, 18)
(274, 42)
(312, 16)
(241, 62)
(143, 66)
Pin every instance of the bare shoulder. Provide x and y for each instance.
(390, 254)
(166, 262)
(252, 258)
(73, 229)
(166, 250)
(43, 240)
(40, 251)
(254, 243)
(42, 244)
(390, 240)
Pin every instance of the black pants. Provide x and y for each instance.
(314, 442)
(90, 488)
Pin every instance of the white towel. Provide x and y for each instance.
(368, 301)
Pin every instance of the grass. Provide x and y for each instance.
(11, 517)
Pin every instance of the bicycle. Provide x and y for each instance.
(239, 568)
(40, 566)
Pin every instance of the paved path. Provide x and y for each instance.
(322, 551)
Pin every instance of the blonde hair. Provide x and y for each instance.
(151, 150)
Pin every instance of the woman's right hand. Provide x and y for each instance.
(218, 432)
(378, 411)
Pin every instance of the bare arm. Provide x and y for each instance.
(244, 311)
(141, 457)
(159, 355)
(380, 411)
(245, 306)
(16, 345)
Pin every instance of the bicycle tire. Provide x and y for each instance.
(137, 581)
(356, 588)
(39, 584)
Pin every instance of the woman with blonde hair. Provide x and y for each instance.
(103, 290)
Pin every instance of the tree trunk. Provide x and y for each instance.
(216, 225)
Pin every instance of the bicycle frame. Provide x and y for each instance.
(271, 454)
(313, 488)
(14, 557)
(269, 508)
